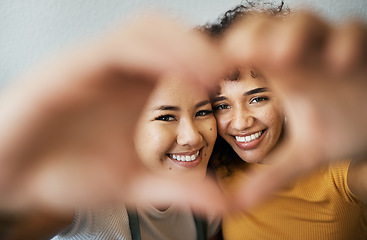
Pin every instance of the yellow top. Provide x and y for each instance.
(319, 206)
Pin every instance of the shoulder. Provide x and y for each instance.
(338, 171)
(357, 179)
(350, 178)
(96, 222)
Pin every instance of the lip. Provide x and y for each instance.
(252, 144)
(190, 164)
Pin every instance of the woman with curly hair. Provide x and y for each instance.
(326, 204)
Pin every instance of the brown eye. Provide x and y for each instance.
(258, 99)
(203, 113)
(222, 107)
(165, 118)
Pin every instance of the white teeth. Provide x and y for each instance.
(249, 138)
(185, 158)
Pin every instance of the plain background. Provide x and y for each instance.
(30, 29)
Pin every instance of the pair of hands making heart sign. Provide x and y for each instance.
(66, 140)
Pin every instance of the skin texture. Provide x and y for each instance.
(178, 120)
(241, 110)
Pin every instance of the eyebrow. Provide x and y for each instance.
(202, 103)
(175, 108)
(251, 92)
(167, 108)
(256, 90)
(219, 98)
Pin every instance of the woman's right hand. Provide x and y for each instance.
(320, 72)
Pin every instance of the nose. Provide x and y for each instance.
(188, 133)
(241, 119)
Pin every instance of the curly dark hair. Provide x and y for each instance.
(224, 158)
(228, 18)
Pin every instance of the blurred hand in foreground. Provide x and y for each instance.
(320, 71)
(67, 125)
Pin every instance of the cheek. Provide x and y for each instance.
(212, 132)
(152, 144)
(208, 131)
(222, 123)
(274, 121)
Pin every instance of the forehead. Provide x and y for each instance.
(177, 92)
(245, 82)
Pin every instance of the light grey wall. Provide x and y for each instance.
(29, 29)
(334, 10)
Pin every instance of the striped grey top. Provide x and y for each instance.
(113, 223)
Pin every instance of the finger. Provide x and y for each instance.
(247, 40)
(157, 44)
(277, 44)
(299, 42)
(347, 50)
(261, 185)
(204, 197)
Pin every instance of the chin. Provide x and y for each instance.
(250, 160)
(196, 176)
(250, 157)
(189, 174)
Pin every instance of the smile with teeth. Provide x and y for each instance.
(185, 158)
(249, 138)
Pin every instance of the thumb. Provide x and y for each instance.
(262, 184)
(300, 150)
(204, 197)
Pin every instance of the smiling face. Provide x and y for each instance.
(177, 130)
(249, 116)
